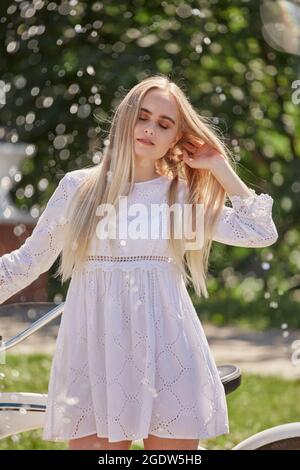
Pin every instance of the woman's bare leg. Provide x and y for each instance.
(93, 442)
(161, 443)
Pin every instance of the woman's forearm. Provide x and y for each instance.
(227, 177)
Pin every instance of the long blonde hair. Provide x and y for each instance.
(114, 176)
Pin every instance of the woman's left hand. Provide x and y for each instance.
(198, 154)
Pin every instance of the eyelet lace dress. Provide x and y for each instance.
(131, 355)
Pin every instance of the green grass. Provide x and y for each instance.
(259, 403)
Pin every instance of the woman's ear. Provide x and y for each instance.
(178, 137)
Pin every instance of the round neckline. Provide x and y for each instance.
(150, 181)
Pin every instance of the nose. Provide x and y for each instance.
(149, 131)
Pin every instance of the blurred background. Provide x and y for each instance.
(65, 64)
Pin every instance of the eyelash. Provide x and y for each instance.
(141, 119)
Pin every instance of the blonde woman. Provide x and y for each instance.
(132, 360)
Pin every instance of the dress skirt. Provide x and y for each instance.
(132, 359)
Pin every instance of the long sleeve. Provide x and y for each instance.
(248, 222)
(39, 251)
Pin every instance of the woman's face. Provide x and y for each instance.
(157, 121)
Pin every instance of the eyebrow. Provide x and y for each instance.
(162, 115)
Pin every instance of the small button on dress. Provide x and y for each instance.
(131, 355)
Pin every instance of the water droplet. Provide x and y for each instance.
(72, 400)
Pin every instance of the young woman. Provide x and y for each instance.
(132, 360)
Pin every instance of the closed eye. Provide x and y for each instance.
(141, 119)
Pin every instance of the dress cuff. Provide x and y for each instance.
(257, 205)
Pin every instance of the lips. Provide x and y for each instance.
(146, 141)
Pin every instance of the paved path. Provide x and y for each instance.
(271, 352)
(264, 353)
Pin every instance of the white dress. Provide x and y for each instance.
(131, 355)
